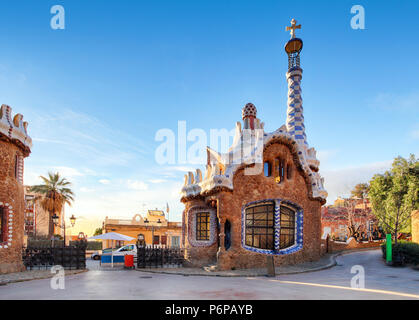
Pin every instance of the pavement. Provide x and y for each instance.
(31, 275)
(325, 262)
(381, 282)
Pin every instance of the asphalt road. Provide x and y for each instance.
(381, 282)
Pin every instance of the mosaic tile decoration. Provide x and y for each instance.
(298, 228)
(9, 213)
(13, 126)
(192, 227)
(295, 116)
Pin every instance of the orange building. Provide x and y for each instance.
(155, 227)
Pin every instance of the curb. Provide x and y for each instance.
(332, 262)
(4, 283)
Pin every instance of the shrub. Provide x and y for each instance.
(408, 251)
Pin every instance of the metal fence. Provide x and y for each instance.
(69, 257)
(159, 257)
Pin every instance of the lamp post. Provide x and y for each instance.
(146, 221)
(55, 219)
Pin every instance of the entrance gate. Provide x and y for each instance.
(159, 257)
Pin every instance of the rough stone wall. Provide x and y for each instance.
(197, 256)
(336, 246)
(415, 226)
(249, 188)
(12, 198)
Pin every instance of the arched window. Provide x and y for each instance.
(203, 226)
(267, 169)
(289, 171)
(16, 166)
(280, 169)
(269, 229)
(260, 227)
(3, 222)
(227, 232)
(287, 227)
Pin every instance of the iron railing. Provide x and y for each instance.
(159, 257)
(69, 257)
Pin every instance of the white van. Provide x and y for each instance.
(128, 249)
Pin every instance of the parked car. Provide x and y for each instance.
(128, 249)
(95, 255)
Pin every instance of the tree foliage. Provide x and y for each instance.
(54, 193)
(395, 194)
(360, 191)
(98, 231)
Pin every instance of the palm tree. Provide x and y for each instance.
(54, 194)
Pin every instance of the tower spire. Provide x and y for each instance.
(295, 117)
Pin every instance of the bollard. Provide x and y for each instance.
(389, 253)
(270, 265)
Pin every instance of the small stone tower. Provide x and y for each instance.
(295, 116)
(15, 145)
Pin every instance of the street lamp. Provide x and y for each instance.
(56, 218)
(146, 221)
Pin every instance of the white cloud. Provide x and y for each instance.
(105, 181)
(68, 172)
(84, 189)
(340, 182)
(137, 185)
(389, 101)
(415, 134)
(325, 155)
(157, 180)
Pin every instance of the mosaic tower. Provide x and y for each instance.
(295, 116)
(15, 145)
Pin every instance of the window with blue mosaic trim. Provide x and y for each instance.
(260, 226)
(267, 231)
(287, 227)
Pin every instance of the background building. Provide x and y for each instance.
(156, 229)
(15, 145)
(38, 221)
(348, 216)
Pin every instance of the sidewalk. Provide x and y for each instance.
(325, 262)
(32, 275)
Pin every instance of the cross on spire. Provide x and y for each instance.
(293, 28)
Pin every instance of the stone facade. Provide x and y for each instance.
(261, 198)
(14, 147)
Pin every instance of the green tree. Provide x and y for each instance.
(54, 194)
(395, 194)
(98, 231)
(360, 191)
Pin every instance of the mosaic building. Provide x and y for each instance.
(261, 198)
(15, 145)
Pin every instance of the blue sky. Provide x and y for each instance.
(96, 93)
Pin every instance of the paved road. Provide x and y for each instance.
(381, 282)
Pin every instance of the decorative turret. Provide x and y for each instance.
(250, 121)
(295, 118)
(249, 113)
(15, 129)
